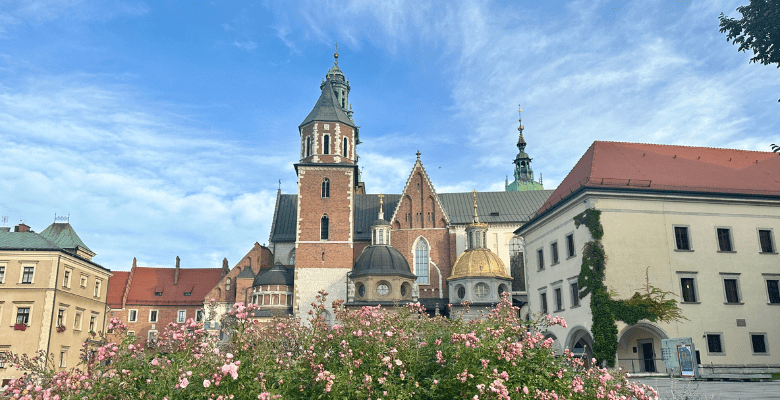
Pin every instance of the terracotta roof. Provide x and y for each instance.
(116, 289)
(197, 281)
(655, 167)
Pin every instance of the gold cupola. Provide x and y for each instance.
(478, 260)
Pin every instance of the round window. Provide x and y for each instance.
(383, 289)
(362, 290)
(481, 290)
(403, 290)
(461, 292)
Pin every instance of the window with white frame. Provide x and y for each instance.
(682, 238)
(181, 316)
(4, 350)
(758, 344)
(66, 278)
(570, 251)
(151, 336)
(724, 239)
(132, 316)
(421, 262)
(92, 322)
(326, 144)
(23, 315)
(77, 320)
(554, 253)
(766, 241)
(325, 190)
(98, 282)
(731, 290)
(63, 358)
(772, 288)
(2, 273)
(540, 259)
(83, 282)
(28, 274)
(199, 316)
(153, 315)
(60, 317)
(715, 343)
(130, 333)
(688, 289)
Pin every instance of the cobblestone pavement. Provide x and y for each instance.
(726, 390)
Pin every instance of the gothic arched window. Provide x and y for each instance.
(344, 150)
(326, 187)
(421, 261)
(324, 228)
(291, 260)
(308, 146)
(326, 144)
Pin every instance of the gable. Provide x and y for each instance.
(418, 199)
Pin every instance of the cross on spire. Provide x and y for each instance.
(381, 202)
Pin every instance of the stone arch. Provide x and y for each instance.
(556, 343)
(580, 342)
(645, 338)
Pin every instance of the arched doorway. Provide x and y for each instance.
(580, 343)
(639, 348)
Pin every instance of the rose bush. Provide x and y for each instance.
(370, 353)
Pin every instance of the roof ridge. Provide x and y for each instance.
(681, 145)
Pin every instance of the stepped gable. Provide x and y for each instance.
(654, 167)
(419, 169)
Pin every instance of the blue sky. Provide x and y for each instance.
(162, 128)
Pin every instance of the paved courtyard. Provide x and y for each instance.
(727, 390)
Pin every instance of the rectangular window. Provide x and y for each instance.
(130, 333)
(66, 279)
(77, 321)
(152, 336)
(97, 288)
(83, 281)
(23, 315)
(199, 316)
(575, 293)
(153, 316)
(60, 317)
(773, 290)
(758, 340)
(714, 345)
(688, 290)
(558, 299)
(540, 258)
(181, 316)
(543, 297)
(27, 275)
(724, 239)
(765, 241)
(731, 287)
(681, 238)
(92, 322)
(132, 316)
(570, 246)
(63, 358)
(2, 274)
(554, 252)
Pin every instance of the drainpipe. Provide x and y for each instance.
(54, 305)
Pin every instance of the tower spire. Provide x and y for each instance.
(476, 218)
(520, 140)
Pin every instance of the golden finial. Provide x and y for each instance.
(336, 55)
(476, 218)
(381, 213)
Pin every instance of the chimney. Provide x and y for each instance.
(176, 273)
(22, 227)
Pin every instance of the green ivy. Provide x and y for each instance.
(652, 305)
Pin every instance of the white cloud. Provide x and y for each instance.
(247, 45)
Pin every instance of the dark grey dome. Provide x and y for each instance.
(380, 222)
(246, 273)
(278, 275)
(381, 260)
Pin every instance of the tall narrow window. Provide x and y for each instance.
(27, 274)
(688, 290)
(421, 262)
(66, 279)
(732, 291)
(773, 291)
(344, 148)
(516, 265)
(681, 237)
(381, 239)
(570, 245)
(575, 293)
(326, 187)
(2, 274)
(324, 228)
(543, 298)
(540, 258)
(308, 146)
(554, 251)
(724, 239)
(326, 144)
(765, 240)
(558, 299)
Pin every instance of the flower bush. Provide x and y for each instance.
(370, 353)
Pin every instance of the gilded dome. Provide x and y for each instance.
(479, 262)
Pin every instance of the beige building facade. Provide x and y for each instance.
(714, 248)
(52, 295)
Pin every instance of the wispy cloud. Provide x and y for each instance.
(247, 45)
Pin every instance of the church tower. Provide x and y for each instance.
(524, 174)
(327, 182)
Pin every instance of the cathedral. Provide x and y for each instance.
(439, 249)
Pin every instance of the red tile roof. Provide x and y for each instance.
(116, 289)
(641, 166)
(147, 281)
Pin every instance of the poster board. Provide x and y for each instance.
(679, 355)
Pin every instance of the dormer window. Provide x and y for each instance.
(158, 293)
(188, 294)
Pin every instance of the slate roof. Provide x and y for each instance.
(512, 207)
(25, 241)
(278, 275)
(64, 236)
(327, 108)
(147, 281)
(654, 167)
(493, 207)
(246, 273)
(382, 260)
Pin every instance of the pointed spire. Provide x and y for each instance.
(381, 202)
(336, 55)
(418, 155)
(476, 218)
(520, 140)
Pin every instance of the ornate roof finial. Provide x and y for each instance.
(476, 218)
(381, 213)
(418, 155)
(520, 140)
(336, 55)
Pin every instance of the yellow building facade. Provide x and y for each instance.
(52, 295)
